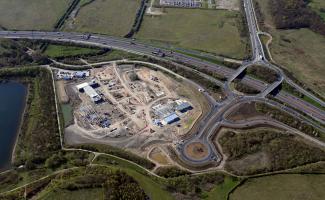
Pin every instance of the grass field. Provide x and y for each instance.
(113, 55)
(282, 187)
(301, 51)
(31, 14)
(112, 17)
(85, 194)
(60, 50)
(67, 112)
(152, 188)
(220, 192)
(215, 31)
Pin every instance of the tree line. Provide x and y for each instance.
(288, 14)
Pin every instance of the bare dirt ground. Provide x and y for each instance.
(228, 4)
(197, 150)
(62, 95)
(128, 105)
(152, 10)
(159, 156)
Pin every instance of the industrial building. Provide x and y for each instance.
(183, 107)
(90, 91)
(170, 119)
(163, 110)
(165, 113)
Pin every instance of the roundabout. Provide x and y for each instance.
(197, 150)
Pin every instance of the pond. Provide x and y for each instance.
(12, 103)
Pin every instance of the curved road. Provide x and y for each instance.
(215, 118)
(145, 49)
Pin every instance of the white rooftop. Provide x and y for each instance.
(82, 85)
(90, 91)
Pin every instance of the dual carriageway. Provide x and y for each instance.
(212, 121)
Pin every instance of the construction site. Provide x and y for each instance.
(129, 106)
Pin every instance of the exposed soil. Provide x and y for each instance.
(228, 4)
(63, 97)
(196, 150)
(157, 155)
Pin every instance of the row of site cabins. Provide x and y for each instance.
(181, 3)
(69, 75)
(88, 87)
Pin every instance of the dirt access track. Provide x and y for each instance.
(134, 98)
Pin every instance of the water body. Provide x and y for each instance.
(12, 103)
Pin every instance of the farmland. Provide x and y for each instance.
(286, 186)
(215, 31)
(300, 51)
(30, 15)
(113, 17)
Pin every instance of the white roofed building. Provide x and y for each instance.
(82, 86)
(91, 92)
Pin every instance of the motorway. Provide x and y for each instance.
(210, 123)
(145, 49)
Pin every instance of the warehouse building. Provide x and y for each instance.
(183, 107)
(91, 92)
(170, 119)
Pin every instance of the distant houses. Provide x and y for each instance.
(181, 3)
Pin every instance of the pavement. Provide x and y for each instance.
(212, 121)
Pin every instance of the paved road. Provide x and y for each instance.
(258, 51)
(215, 118)
(145, 49)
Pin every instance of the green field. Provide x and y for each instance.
(113, 55)
(220, 192)
(153, 188)
(67, 112)
(216, 31)
(31, 14)
(112, 17)
(60, 50)
(84, 194)
(282, 187)
(300, 51)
